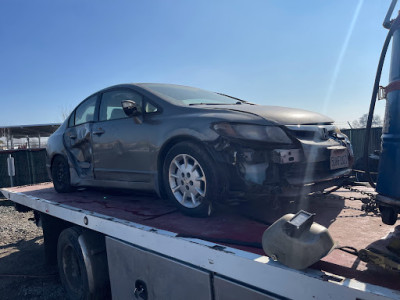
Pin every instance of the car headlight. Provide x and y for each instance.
(271, 134)
(341, 135)
(337, 130)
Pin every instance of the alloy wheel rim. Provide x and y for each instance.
(187, 180)
(60, 172)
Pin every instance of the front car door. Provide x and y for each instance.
(121, 146)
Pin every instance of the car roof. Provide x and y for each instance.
(147, 87)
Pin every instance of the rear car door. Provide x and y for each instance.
(121, 145)
(78, 137)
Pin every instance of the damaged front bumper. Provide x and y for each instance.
(307, 166)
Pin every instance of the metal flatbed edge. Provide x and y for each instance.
(248, 268)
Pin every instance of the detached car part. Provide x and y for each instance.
(296, 241)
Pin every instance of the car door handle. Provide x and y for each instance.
(98, 131)
(72, 136)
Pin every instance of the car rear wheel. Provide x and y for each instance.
(190, 179)
(60, 174)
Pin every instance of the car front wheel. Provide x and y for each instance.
(190, 179)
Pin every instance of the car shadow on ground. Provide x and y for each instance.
(326, 209)
(24, 274)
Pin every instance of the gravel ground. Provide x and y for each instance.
(23, 272)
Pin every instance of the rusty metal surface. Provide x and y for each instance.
(348, 224)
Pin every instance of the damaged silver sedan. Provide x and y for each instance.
(195, 147)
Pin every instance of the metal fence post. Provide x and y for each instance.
(11, 168)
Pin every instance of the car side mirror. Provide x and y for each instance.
(130, 108)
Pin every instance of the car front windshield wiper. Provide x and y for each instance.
(208, 103)
(240, 101)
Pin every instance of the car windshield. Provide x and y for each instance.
(190, 96)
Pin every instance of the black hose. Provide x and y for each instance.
(375, 90)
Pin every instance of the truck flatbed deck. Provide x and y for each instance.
(233, 232)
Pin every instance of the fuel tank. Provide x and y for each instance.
(389, 165)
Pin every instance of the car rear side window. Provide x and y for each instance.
(85, 112)
(71, 121)
(111, 107)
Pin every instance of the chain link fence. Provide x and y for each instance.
(30, 167)
(357, 138)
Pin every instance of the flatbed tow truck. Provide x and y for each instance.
(146, 249)
(129, 245)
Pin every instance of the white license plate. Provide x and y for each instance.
(339, 159)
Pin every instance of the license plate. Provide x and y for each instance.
(339, 159)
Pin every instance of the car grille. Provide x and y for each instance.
(312, 132)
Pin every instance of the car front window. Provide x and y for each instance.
(111, 108)
(189, 96)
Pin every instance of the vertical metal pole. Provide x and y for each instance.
(39, 141)
(12, 142)
(387, 22)
(351, 131)
(29, 145)
(8, 138)
(11, 169)
(3, 136)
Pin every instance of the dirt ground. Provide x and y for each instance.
(23, 272)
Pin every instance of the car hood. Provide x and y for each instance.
(280, 115)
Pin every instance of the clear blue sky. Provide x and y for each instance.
(314, 54)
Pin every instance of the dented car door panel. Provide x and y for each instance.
(77, 137)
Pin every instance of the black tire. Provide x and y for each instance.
(388, 215)
(360, 177)
(209, 186)
(60, 174)
(71, 266)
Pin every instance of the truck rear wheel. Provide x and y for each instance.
(82, 264)
(71, 265)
